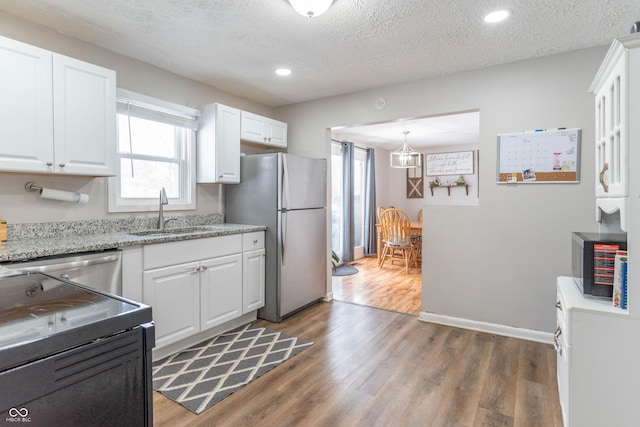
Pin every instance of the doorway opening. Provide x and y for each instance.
(390, 287)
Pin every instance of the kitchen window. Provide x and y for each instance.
(156, 149)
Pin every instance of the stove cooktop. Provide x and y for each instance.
(50, 314)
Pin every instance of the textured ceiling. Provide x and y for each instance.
(235, 45)
(436, 131)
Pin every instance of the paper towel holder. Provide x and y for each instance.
(32, 187)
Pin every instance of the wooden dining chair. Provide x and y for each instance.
(379, 211)
(396, 235)
(416, 240)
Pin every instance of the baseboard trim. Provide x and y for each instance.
(492, 328)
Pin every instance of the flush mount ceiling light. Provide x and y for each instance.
(310, 8)
(405, 156)
(496, 16)
(283, 72)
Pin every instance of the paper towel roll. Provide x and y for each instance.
(65, 196)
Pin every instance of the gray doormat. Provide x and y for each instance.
(344, 270)
(202, 375)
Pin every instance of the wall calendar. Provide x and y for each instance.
(539, 156)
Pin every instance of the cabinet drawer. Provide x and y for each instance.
(172, 253)
(251, 241)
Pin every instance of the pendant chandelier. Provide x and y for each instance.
(405, 156)
(310, 8)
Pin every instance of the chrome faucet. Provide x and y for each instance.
(163, 201)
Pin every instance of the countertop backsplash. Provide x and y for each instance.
(43, 230)
(31, 241)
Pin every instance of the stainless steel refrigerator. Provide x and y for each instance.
(287, 194)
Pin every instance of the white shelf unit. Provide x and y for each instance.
(598, 352)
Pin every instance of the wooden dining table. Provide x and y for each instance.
(416, 227)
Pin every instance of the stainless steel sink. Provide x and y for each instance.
(167, 231)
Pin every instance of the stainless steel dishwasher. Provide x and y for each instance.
(99, 270)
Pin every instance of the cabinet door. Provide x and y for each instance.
(174, 295)
(253, 271)
(611, 137)
(253, 128)
(277, 133)
(218, 152)
(26, 134)
(220, 290)
(85, 117)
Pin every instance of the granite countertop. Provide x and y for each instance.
(49, 239)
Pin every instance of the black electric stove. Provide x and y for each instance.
(64, 344)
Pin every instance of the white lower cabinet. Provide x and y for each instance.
(597, 357)
(220, 290)
(198, 288)
(253, 271)
(174, 294)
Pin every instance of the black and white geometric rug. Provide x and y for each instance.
(202, 375)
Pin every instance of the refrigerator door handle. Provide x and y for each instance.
(283, 234)
(285, 183)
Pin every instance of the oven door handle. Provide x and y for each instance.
(72, 264)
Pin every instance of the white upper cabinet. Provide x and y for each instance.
(616, 81)
(263, 130)
(58, 113)
(26, 134)
(611, 138)
(84, 106)
(218, 148)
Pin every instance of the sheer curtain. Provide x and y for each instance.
(347, 201)
(370, 238)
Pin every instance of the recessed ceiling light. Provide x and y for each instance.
(497, 16)
(283, 72)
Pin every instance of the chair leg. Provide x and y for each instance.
(384, 255)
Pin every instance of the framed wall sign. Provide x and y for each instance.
(454, 163)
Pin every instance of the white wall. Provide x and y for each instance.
(495, 262)
(18, 206)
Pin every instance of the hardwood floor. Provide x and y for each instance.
(389, 288)
(371, 367)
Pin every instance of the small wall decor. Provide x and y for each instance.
(454, 163)
(415, 182)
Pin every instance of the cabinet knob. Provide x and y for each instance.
(255, 241)
(49, 164)
(605, 186)
(61, 165)
(559, 305)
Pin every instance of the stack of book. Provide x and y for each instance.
(620, 280)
